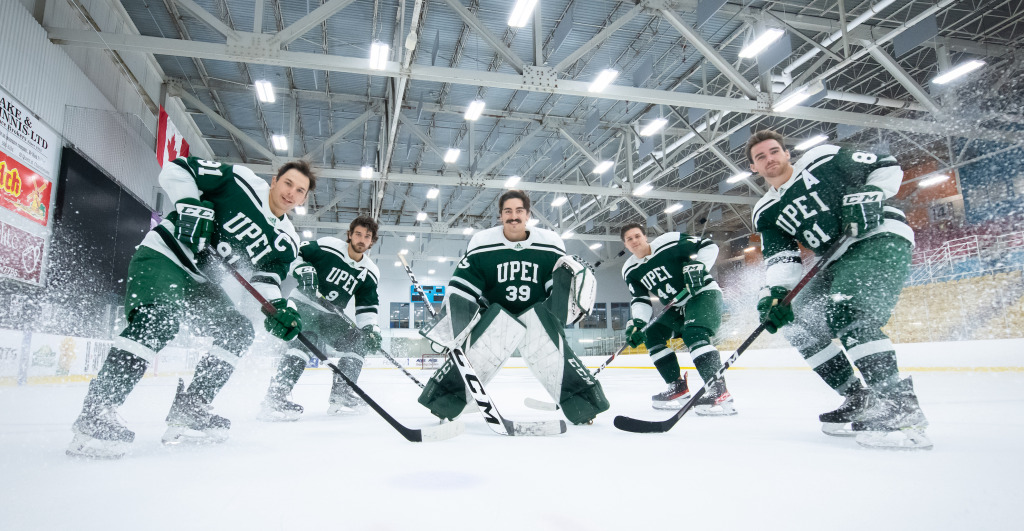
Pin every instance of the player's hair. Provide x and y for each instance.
(366, 222)
(302, 167)
(630, 226)
(514, 194)
(761, 136)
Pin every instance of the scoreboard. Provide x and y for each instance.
(434, 293)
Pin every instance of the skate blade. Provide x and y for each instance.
(838, 429)
(345, 411)
(673, 405)
(278, 416)
(905, 439)
(181, 435)
(83, 447)
(721, 410)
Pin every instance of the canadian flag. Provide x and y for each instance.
(169, 142)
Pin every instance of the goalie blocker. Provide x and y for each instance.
(490, 338)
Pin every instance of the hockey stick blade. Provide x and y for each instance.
(542, 405)
(543, 427)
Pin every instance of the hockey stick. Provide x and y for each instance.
(494, 419)
(548, 406)
(647, 426)
(328, 305)
(430, 433)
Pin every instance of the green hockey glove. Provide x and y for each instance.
(862, 210)
(308, 280)
(694, 277)
(773, 313)
(195, 223)
(286, 323)
(371, 337)
(635, 335)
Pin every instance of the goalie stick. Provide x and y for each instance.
(328, 305)
(660, 426)
(430, 433)
(495, 420)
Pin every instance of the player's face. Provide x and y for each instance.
(636, 241)
(288, 191)
(360, 239)
(771, 161)
(514, 217)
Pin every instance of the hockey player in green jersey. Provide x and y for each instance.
(232, 209)
(676, 267)
(830, 191)
(332, 273)
(515, 288)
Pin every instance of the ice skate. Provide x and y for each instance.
(99, 434)
(856, 404)
(896, 422)
(674, 397)
(716, 402)
(277, 408)
(190, 421)
(343, 400)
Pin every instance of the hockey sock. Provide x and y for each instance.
(705, 356)
(120, 373)
(351, 367)
(831, 365)
(288, 372)
(210, 376)
(667, 363)
(874, 355)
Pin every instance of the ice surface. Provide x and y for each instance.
(767, 468)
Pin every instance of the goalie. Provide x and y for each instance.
(515, 289)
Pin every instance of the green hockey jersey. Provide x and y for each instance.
(244, 224)
(342, 278)
(513, 275)
(660, 272)
(807, 209)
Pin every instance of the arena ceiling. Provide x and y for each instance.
(867, 67)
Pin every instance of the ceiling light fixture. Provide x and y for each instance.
(603, 80)
(467, 231)
(959, 71)
(300, 210)
(410, 238)
(603, 166)
(559, 201)
(673, 208)
(452, 155)
(265, 91)
(568, 234)
(932, 181)
(512, 181)
(653, 127)
(280, 142)
(432, 193)
(474, 110)
(366, 172)
(595, 246)
(521, 13)
(379, 55)
(738, 177)
(762, 41)
(532, 222)
(811, 142)
(307, 234)
(422, 216)
(643, 189)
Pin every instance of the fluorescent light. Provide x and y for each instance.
(431, 271)
(813, 141)
(452, 155)
(594, 246)
(300, 210)
(653, 127)
(568, 234)
(420, 217)
(474, 110)
(932, 181)
(397, 263)
(762, 41)
(738, 177)
(432, 193)
(792, 100)
(603, 166)
(404, 251)
(441, 259)
(521, 13)
(559, 201)
(963, 69)
(379, 55)
(674, 208)
(532, 222)
(467, 231)
(280, 142)
(603, 80)
(265, 91)
(410, 238)
(307, 234)
(366, 172)
(643, 189)
(749, 249)
(512, 181)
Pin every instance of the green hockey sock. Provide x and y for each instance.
(289, 370)
(667, 363)
(707, 362)
(120, 373)
(211, 375)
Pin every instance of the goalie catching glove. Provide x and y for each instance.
(582, 288)
(286, 322)
(194, 226)
(862, 210)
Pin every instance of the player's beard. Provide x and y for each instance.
(359, 248)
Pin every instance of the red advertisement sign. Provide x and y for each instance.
(23, 190)
(21, 254)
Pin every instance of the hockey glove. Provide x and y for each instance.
(635, 335)
(862, 210)
(308, 280)
(195, 223)
(286, 323)
(694, 277)
(371, 337)
(773, 313)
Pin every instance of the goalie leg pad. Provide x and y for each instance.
(558, 369)
(495, 337)
(458, 316)
(574, 290)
